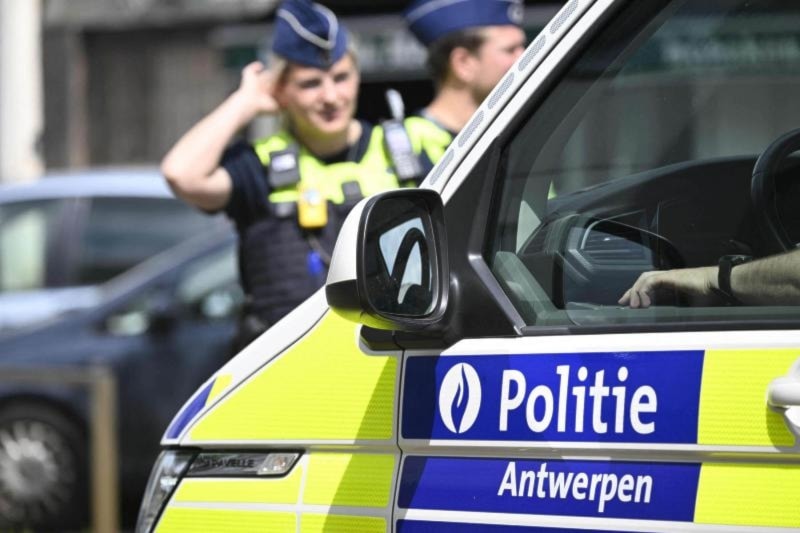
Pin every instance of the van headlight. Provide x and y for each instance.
(167, 472)
(173, 465)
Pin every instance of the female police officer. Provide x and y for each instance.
(288, 194)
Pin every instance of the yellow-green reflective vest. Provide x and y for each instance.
(373, 172)
(427, 139)
(275, 252)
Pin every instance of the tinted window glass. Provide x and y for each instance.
(211, 288)
(24, 238)
(208, 289)
(640, 159)
(121, 232)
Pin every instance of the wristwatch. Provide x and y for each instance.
(726, 264)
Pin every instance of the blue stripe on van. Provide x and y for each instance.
(419, 526)
(632, 397)
(635, 490)
(188, 413)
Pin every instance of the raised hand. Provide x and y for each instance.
(256, 90)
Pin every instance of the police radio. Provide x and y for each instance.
(284, 168)
(398, 143)
(312, 208)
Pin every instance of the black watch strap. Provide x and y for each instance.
(726, 264)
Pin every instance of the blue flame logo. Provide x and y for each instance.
(459, 406)
(460, 398)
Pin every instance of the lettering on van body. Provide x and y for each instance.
(594, 487)
(574, 399)
(558, 487)
(634, 397)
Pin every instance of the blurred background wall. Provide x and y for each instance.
(115, 82)
(21, 107)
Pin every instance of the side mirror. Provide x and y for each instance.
(389, 269)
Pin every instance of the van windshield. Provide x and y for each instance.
(641, 158)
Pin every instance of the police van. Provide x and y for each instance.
(469, 366)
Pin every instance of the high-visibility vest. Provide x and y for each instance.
(428, 139)
(274, 251)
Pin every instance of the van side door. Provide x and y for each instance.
(593, 413)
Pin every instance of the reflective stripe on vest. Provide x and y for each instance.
(373, 172)
(427, 137)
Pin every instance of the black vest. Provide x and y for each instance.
(274, 255)
(274, 251)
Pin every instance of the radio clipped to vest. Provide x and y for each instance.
(284, 167)
(284, 171)
(312, 208)
(398, 143)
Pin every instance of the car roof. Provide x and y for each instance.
(138, 182)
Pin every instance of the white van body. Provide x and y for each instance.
(492, 381)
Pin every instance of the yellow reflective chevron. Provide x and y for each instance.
(322, 388)
(733, 407)
(349, 480)
(221, 383)
(243, 521)
(333, 480)
(749, 495)
(284, 490)
(325, 388)
(331, 523)
(184, 520)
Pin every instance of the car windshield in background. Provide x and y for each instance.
(24, 228)
(122, 231)
(63, 235)
(641, 159)
(83, 229)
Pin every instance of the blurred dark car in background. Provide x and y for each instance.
(62, 235)
(161, 328)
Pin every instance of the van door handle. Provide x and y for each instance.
(783, 394)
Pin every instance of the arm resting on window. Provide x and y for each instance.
(773, 280)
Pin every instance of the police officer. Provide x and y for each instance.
(471, 44)
(288, 193)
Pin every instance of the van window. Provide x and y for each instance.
(641, 159)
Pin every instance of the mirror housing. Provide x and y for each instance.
(389, 269)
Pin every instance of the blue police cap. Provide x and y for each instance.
(429, 20)
(309, 34)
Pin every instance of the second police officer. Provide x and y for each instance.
(288, 193)
(471, 44)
